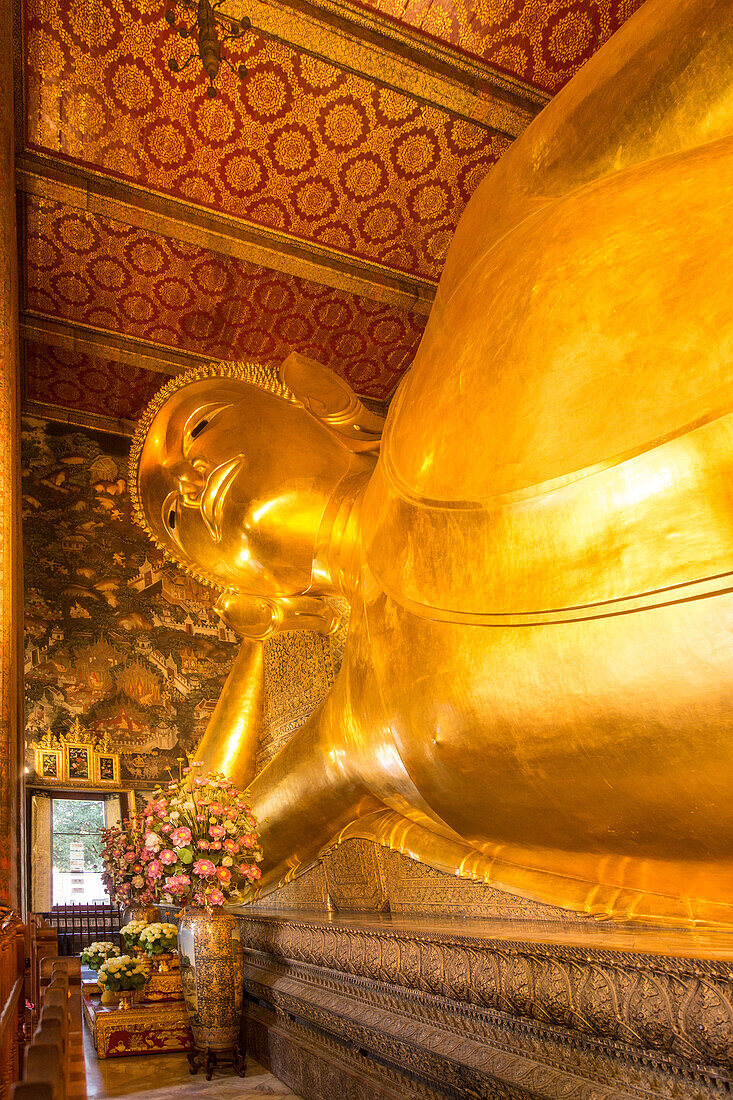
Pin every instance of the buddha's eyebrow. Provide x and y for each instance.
(175, 429)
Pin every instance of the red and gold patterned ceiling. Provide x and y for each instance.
(307, 207)
(541, 41)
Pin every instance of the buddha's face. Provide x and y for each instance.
(235, 482)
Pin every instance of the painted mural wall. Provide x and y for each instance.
(114, 636)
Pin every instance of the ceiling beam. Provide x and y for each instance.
(397, 56)
(102, 344)
(55, 179)
(78, 419)
(99, 343)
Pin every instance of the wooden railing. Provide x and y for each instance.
(54, 1061)
(77, 925)
(12, 998)
(41, 943)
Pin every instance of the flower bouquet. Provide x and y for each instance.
(205, 847)
(125, 859)
(159, 940)
(203, 841)
(95, 954)
(121, 975)
(131, 933)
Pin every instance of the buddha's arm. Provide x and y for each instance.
(310, 791)
(230, 742)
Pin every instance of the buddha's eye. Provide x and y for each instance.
(169, 515)
(199, 421)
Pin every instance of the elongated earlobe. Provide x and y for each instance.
(331, 400)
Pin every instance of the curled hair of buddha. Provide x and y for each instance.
(265, 378)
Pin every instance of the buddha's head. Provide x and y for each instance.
(231, 475)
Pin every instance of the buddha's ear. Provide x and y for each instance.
(331, 400)
(259, 617)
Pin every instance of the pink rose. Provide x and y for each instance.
(129, 857)
(201, 817)
(231, 846)
(181, 836)
(216, 808)
(215, 897)
(155, 869)
(248, 840)
(223, 874)
(204, 867)
(217, 831)
(216, 845)
(167, 857)
(203, 845)
(183, 879)
(166, 828)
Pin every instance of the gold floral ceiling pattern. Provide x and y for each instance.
(299, 146)
(314, 154)
(542, 41)
(103, 274)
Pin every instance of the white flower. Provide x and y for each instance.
(153, 842)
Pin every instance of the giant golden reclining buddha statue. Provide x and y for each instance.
(537, 544)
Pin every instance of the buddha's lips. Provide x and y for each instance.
(214, 494)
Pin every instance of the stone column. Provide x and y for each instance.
(11, 615)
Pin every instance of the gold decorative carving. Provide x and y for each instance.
(144, 1029)
(75, 758)
(354, 877)
(307, 893)
(462, 1003)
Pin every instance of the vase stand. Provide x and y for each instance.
(209, 1060)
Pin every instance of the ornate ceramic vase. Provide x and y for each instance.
(212, 977)
(140, 910)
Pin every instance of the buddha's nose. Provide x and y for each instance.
(191, 478)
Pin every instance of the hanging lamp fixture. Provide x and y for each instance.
(205, 33)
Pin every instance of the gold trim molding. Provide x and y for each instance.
(103, 344)
(78, 419)
(53, 179)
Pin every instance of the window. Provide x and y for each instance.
(76, 825)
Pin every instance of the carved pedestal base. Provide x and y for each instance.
(368, 1005)
(209, 1060)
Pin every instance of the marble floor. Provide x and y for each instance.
(166, 1077)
